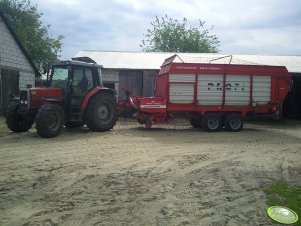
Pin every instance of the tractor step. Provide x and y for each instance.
(76, 116)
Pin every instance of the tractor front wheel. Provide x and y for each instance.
(17, 122)
(101, 113)
(50, 120)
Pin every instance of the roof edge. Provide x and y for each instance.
(219, 53)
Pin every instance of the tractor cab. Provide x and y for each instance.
(68, 74)
(74, 95)
(76, 79)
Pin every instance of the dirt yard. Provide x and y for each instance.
(169, 175)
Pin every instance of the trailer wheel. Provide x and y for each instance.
(233, 122)
(16, 122)
(101, 113)
(211, 122)
(50, 120)
(195, 122)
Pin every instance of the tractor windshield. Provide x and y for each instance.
(59, 77)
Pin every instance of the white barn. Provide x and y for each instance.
(17, 71)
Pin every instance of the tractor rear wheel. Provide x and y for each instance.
(101, 113)
(233, 122)
(17, 122)
(50, 120)
(211, 122)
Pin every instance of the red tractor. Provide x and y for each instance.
(74, 96)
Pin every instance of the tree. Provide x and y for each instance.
(24, 18)
(170, 35)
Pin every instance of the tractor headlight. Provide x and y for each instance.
(24, 96)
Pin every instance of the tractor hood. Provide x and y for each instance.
(46, 92)
(41, 95)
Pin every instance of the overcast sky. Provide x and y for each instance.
(242, 26)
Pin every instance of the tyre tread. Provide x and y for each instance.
(42, 117)
(227, 122)
(208, 116)
(90, 111)
(15, 122)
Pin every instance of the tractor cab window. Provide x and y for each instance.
(59, 78)
(89, 77)
(99, 77)
(82, 83)
(82, 80)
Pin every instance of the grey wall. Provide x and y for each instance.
(11, 57)
(140, 82)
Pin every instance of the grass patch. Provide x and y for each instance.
(282, 194)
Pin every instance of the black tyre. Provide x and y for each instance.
(50, 120)
(101, 113)
(74, 124)
(233, 122)
(17, 122)
(195, 122)
(211, 122)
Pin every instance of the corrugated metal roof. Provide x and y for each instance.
(151, 60)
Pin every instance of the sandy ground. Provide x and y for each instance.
(169, 175)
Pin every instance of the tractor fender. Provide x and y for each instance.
(48, 100)
(92, 93)
(54, 101)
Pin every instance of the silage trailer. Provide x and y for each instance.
(212, 95)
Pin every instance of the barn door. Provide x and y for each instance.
(9, 86)
(148, 83)
(132, 81)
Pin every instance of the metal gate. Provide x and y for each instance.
(9, 86)
(148, 83)
(132, 81)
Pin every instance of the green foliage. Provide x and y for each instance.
(24, 18)
(169, 35)
(282, 194)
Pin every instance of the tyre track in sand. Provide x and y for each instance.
(170, 175)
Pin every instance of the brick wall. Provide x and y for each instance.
(112, 76)
(11, 57)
